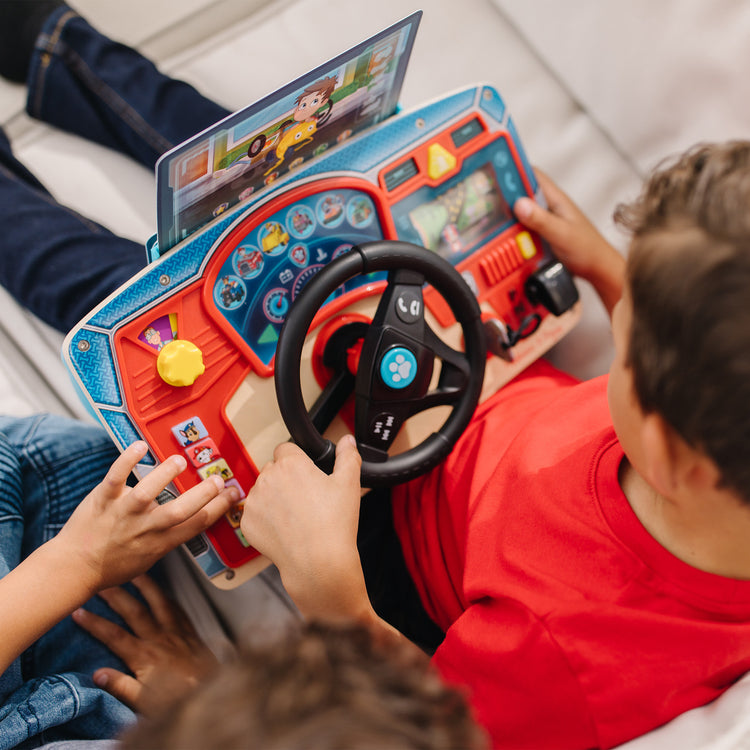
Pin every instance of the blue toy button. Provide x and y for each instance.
(398, 368)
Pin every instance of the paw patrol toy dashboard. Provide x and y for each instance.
(358, 290)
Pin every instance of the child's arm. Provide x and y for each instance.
(116, 533)
(306, 523)
(575, 240)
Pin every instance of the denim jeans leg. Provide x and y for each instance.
(11, 538)
(54, 261)
(55, 463)
(84, 83)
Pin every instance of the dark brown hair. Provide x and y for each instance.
(688, 276)
(320, 688)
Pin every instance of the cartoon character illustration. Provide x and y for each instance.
(312, 100)
(190, 433)
(219, 467)
(331, 209)
(360, 212)
(153, 338)
(203, 455)
(231, 292)
(249, 262)
(296, 136)
(274, 237)
(158, 333)
(301, 221)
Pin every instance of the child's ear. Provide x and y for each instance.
(672, 464)
(660, 468)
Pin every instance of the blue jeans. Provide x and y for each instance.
(54, 261)
(60, 265)
(47, 465)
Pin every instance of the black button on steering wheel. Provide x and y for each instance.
(396, 365)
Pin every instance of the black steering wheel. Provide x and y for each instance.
(396, 364)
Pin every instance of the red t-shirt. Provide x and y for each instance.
(570, 625)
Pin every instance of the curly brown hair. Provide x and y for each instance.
(688, 276)
(321, 687)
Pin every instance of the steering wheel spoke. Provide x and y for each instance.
(456, 368)
(376, 426)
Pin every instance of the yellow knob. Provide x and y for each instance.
(180, 362)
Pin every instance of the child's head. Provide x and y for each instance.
(688, 284)
(313, 98)
(322, 688)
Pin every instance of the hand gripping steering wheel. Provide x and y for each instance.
(396, 363)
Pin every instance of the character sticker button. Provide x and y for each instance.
(234, 515)
(235, 483)
(203, 452)
(190, 431)
(241, 537)
(219, 467)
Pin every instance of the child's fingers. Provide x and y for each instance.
(122, 468)
(165, 613)
(195, 510)
(533, 216)
(554, 196)
(116, 639)
(124, 687)
(136, 615)
(348, 461)
(155, 481)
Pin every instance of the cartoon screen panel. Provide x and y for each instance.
(463, 213)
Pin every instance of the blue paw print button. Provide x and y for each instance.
(398, 368)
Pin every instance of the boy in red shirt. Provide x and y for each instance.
(584, 548)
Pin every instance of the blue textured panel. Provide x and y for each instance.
(492, 103)
(95, 367)
(123, 428)
(180, 265)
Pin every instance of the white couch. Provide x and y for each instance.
(599, 92)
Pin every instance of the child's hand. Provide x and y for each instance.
(119, 532)
(574, 240)
(164, 653)
(306, 523)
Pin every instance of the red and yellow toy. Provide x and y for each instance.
(378, 337)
